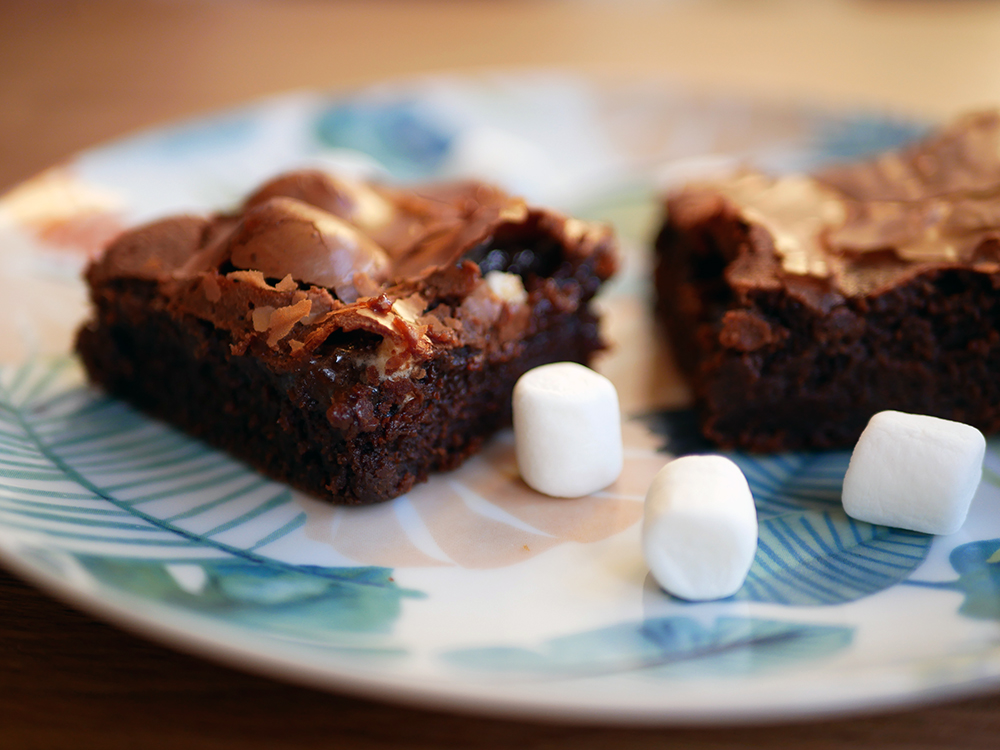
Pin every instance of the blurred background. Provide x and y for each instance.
(76, 73)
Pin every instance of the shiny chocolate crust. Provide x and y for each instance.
(801, 305)
(345, 337)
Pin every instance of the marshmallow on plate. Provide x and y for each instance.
(567, 430)
(699, 532)
(915, 472)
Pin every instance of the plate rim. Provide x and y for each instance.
(210, 644)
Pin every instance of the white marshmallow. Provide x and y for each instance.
(914, 472)
(567, 430)
(699, 532)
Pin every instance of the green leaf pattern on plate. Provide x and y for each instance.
(302, 603)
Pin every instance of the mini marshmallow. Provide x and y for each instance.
(914, 472)
(567, 430)
(699, 531)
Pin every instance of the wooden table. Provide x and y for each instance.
(76, 73)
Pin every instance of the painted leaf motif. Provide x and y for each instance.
(172, 496)
(86, 469)
(666, 646)
(303, 603)
(793, 482)
(825, 557)
(79, 475)
(809, 551)
(978, 568)
(862, 135)
(398, 134)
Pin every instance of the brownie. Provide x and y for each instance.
(344, 337)
(801, 305)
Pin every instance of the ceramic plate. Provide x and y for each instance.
(471, 592)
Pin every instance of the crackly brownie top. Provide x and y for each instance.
(861, 228)
(309, 254)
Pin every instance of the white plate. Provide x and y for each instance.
(471, 592)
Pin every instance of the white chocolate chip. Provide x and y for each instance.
(699, 531)
(567, 430)
(914, 472)
(507, 287)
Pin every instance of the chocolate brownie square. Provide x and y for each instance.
(801, 305)
(345, 337)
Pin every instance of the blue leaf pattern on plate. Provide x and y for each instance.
(824, 557)
(861, 136)
(978, 568)
(666, 646)
(809, 552)
(61, 447)
(399, 134)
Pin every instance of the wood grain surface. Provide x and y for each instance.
(73, 74)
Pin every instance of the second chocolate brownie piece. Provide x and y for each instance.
(799, 306)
